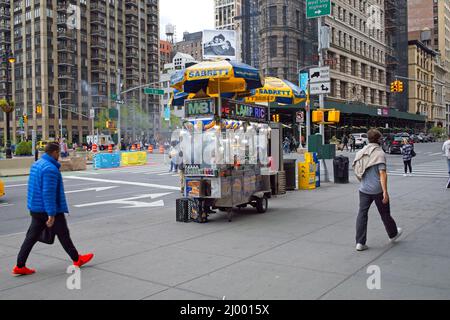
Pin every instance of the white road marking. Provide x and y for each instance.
(165, 174)
(130, 202)
(130, 183)
(6, 205)
(91, 189)
(420, 175)
(17, 185)
(437, 154)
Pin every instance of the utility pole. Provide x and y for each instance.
(321, 96)
(118, 91)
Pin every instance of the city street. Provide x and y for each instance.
(302, 248)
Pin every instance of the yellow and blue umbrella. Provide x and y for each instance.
(177, 98)
(217, 77)
(277, 90)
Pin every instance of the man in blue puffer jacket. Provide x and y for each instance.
(47, 204)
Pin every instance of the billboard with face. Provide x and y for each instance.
(219, 44)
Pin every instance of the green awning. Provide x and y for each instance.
(357, 108)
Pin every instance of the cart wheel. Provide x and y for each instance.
(262, 205)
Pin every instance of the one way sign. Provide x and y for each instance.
(320, 88)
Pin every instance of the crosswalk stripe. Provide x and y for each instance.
(422, 172)
(420, 176)
(165, 174)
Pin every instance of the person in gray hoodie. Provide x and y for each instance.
(370, 168)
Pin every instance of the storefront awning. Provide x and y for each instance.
(357, 108)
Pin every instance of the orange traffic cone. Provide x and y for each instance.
(161, 149)
(133, 147)
(94, 148)
(110, 148)
(150, 149)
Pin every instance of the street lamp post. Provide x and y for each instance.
(9, 59)
(61, 117)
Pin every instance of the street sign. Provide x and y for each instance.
(154, 91)
(120, 102)
(91, 113)
(300, 117)
(320, 88)
(113, 96)
(318, 8)
(318, 75)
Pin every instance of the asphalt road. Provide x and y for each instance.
(99, 194)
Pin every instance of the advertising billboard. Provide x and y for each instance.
(219, 44)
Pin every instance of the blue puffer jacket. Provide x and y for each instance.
(45, 188)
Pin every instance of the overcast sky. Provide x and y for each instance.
(186, 15)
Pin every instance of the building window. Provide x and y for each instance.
(273, 46)
(273, 15)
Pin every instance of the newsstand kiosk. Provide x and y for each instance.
(224, 145)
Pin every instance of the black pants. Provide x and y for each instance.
(365, 201)
(408, 164)
(38, 224)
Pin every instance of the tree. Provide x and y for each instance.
(437, 132)
(7, 107)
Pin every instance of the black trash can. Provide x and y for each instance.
(289, 169)
(341, 169)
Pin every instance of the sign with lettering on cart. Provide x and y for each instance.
(198, 108)
(236, 110)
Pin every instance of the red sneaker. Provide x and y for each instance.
(22, 271)
(83, 259)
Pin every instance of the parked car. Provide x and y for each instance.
(430, 138)
(392, 143)
(361, 139)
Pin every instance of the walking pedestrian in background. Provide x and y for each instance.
(345, 143)
(370, 168)
(408, 153)
(446, 149)
(47, 204)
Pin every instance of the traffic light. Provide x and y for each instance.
(276, 118)
(110, 124)
(318, 116)
(25, 118)
(400, 86)
(394, 87)
(39, 109)
(334, 116)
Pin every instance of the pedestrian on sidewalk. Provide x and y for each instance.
(345, 143)
(352, 142)
(173, 156)
(446, 150)
(370, 168)
(47, 204)
(408, 153)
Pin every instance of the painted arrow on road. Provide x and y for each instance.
(131, 202)
(99, 189)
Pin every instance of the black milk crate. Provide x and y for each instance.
(184, 208)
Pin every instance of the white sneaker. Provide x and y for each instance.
(400, 231)
(410, 175)
(361, 247)
(405, 175)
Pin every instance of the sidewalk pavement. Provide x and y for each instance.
(302, 248)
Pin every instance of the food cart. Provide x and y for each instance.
(224, 145)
